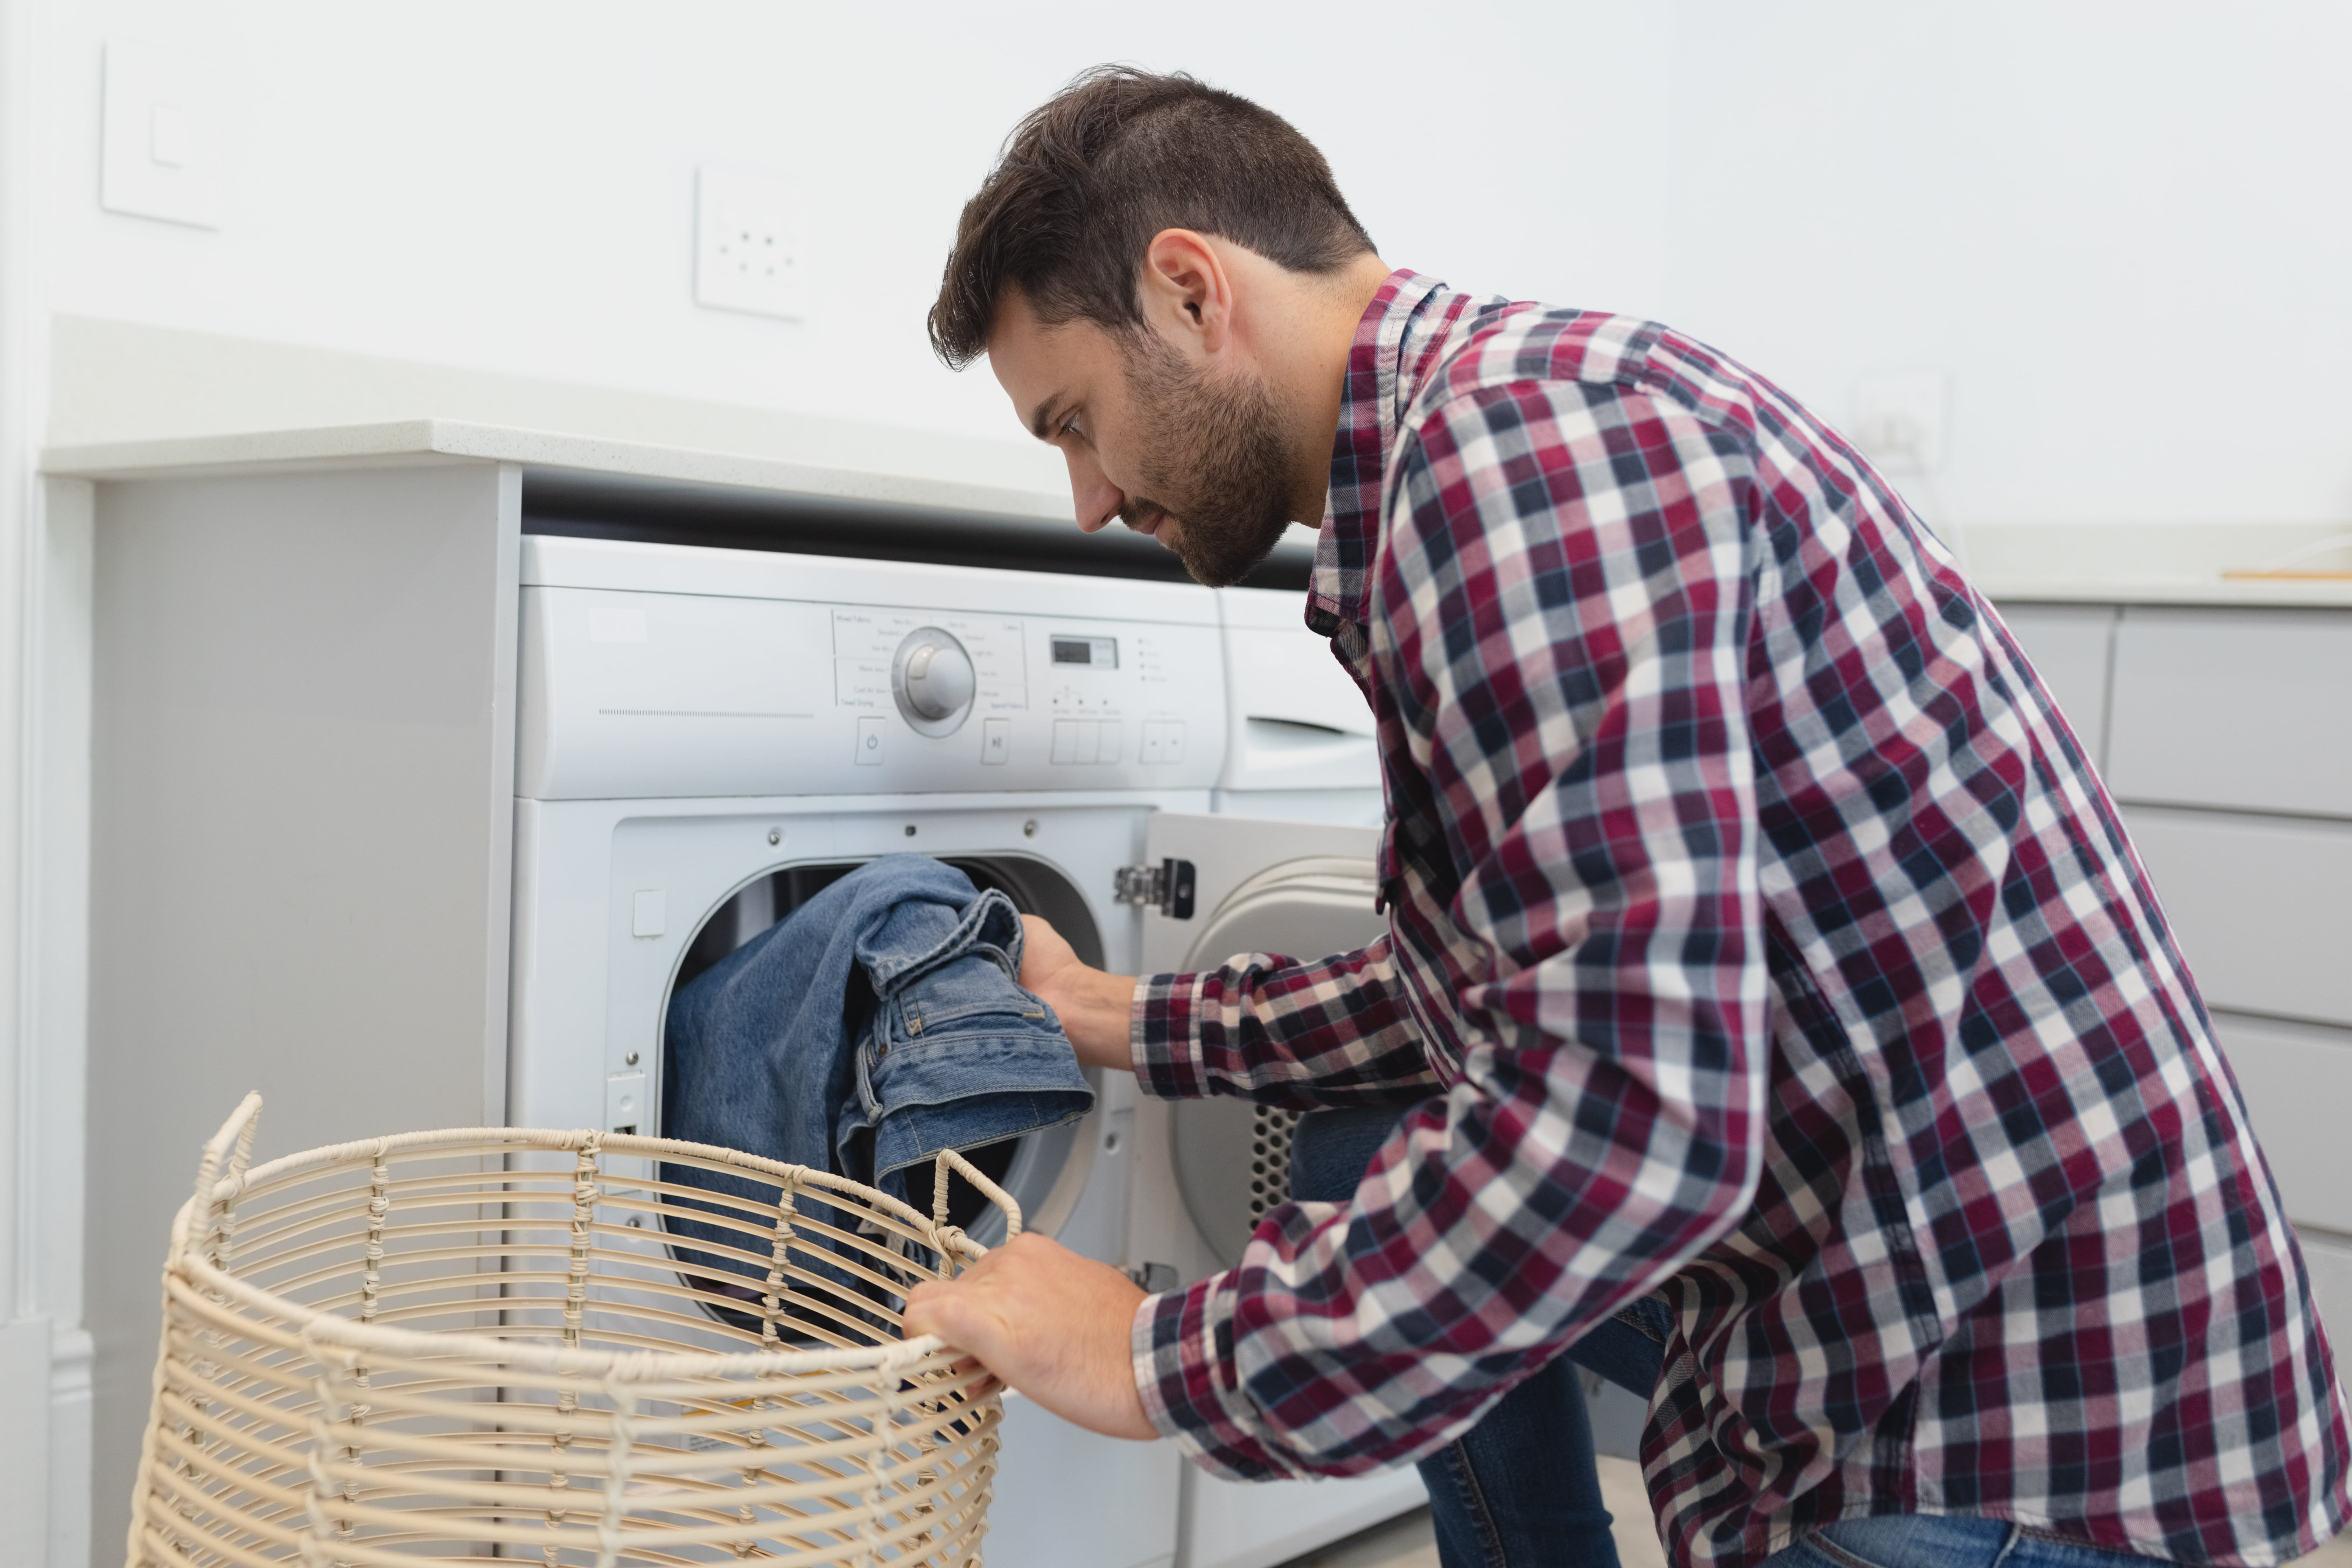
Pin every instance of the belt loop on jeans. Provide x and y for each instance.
(2016, 1534)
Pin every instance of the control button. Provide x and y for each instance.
(1164, 741)
(1107, 739)
(932, 678)
(995, 740)
(1078, 740)
(869, 741)
(649, 913)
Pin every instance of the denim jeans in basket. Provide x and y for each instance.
(1521, 1489)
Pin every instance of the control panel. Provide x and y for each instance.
(659, 694)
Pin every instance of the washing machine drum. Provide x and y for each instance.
(1232, 1158)
(1041, 1170)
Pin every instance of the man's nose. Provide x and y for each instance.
(1095, 499)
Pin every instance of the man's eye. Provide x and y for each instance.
(1070, 427)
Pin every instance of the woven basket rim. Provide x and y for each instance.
(346, 1334)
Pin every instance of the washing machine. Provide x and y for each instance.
(1298, 735)
(707, 736)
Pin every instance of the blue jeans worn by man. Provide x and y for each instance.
(1521, 1488)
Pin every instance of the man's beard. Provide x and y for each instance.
(1220, 472)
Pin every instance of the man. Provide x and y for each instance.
(1759, 936)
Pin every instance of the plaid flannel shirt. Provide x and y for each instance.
(1760, 937)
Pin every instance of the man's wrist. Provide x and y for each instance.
(1100, 1031)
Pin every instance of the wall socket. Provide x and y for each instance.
(747, 249)
(1898, 421)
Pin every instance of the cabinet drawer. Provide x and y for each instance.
(2244, 708)
(2069, 645)
(2262, 908)
(2298, 1085)
(2330, 1263)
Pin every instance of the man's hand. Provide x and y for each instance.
(1049, 1323)
(1092, 1005)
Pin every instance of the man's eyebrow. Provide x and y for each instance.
(1037, 420)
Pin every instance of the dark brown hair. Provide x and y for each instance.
(1120, 154)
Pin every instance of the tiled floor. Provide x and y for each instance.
(1407, 1543)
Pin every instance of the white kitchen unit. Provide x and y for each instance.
(427, 759)
(2220, 714)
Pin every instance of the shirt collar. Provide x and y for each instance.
(1396, 341)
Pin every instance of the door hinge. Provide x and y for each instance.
(1167, 886)
(1154, 1278)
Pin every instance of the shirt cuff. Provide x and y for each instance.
(1163, 1038)
(1183, 1348)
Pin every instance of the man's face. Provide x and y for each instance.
(1192, 456)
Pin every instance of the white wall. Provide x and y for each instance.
(2118, 229)
(509, 186)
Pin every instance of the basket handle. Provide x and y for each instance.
(950, 1160)
(231, 1147)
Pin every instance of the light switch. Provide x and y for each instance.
(160, 153)
(171, 136)
(649, 916)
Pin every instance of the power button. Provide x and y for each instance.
(869, 741)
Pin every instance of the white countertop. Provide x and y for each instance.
(407, 441)
(2158, 564)
(2273, 593)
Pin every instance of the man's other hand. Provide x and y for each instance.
(1093, 1005)
(1049, 1323)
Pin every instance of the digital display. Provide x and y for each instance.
(1102, 653)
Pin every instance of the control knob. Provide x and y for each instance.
(932, 678)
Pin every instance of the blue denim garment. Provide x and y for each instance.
(1522, 1487)
(1933, 1541)
(881, 1022)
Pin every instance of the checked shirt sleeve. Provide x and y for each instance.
(1293, 1035)
(1562, 619)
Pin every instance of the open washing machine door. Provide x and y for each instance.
(1227, 885)
(1045, 1171)
(1234, 885)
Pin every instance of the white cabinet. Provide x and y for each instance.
(2261, 906)
(2297, 1081)
(2241, 710)
(2225, 735)
(2069, 646)
(2330, 1264)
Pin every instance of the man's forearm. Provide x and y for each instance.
(1095, 1008)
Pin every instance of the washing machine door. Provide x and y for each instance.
(1304, 891)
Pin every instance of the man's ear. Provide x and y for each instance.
(1185, 291)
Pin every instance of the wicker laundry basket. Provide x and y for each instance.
(484, 1346)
